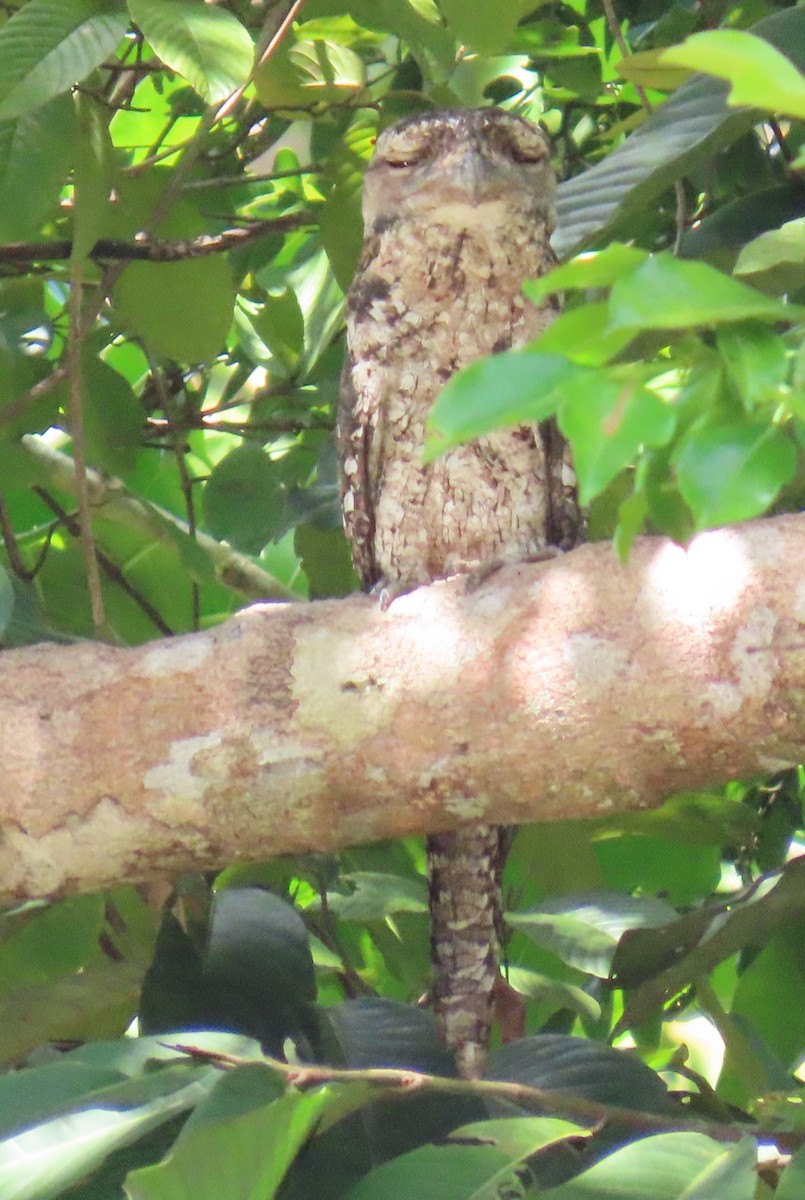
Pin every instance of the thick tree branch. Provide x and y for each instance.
(572, 688)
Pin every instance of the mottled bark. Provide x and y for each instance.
(564, 689)
(465, 867)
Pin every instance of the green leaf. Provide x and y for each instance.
(649, 70)
(659, 962)
(452, 1173)
(206, 45)
(181, 309)
(756, 359)
(320, 301)
(731, 469)
(771, 249)
(592, 269)
(765, 986)
(579, 1067)
(482, 27)
(92, 175)
(584, 931)
(340, 223)
(244, 499)
(18, 373)
(583, 335)
(308, 71)
(40, 1162)
(6, 600)
(607, 420)
(632, 514)
(326, 561)
(517, 386)
(792, 1180)
(684, 132)
(489, 1161)
(36, 153)
(237, 1144)
(281, 326)
(113, 417)
(372, 1031)
(669, 293)
(543, 989)
(759, 75)
(667, 1167)
(375, 896)
(48, 45)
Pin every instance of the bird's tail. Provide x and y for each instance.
(464, 867)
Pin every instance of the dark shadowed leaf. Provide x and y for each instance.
(690, 127)
(556, 1063)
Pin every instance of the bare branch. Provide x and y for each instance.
(150, 249)
(559, 690)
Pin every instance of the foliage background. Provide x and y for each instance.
(178, 231)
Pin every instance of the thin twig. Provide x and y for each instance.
(11, 544)
(110, 568)
(76, 379)
(679, 188)
(590, 1112)
(166, 403)
(248, 177)
(617, 33)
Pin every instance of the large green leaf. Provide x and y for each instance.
(372, 896)
(247, 495)
(792, 1181)
(607, 421)
(488, 1160)
(181, 309)
(771, 249)
(518, 386)
(688, 128)
(206, 45)
(36, 153)
(38, 1163)
(48, 45)
(585, 931)
(307, 72)
(758, 75)
(239, 1142)
(668, 293)
(661, 961)
(668, 1167)
(482, 27)
(731, 468)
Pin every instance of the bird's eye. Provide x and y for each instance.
(397, 164)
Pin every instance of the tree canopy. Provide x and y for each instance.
(179, 221)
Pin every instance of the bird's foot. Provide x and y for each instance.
(387, 593)
(479, 575)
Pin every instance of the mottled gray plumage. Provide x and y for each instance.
(457, 213)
